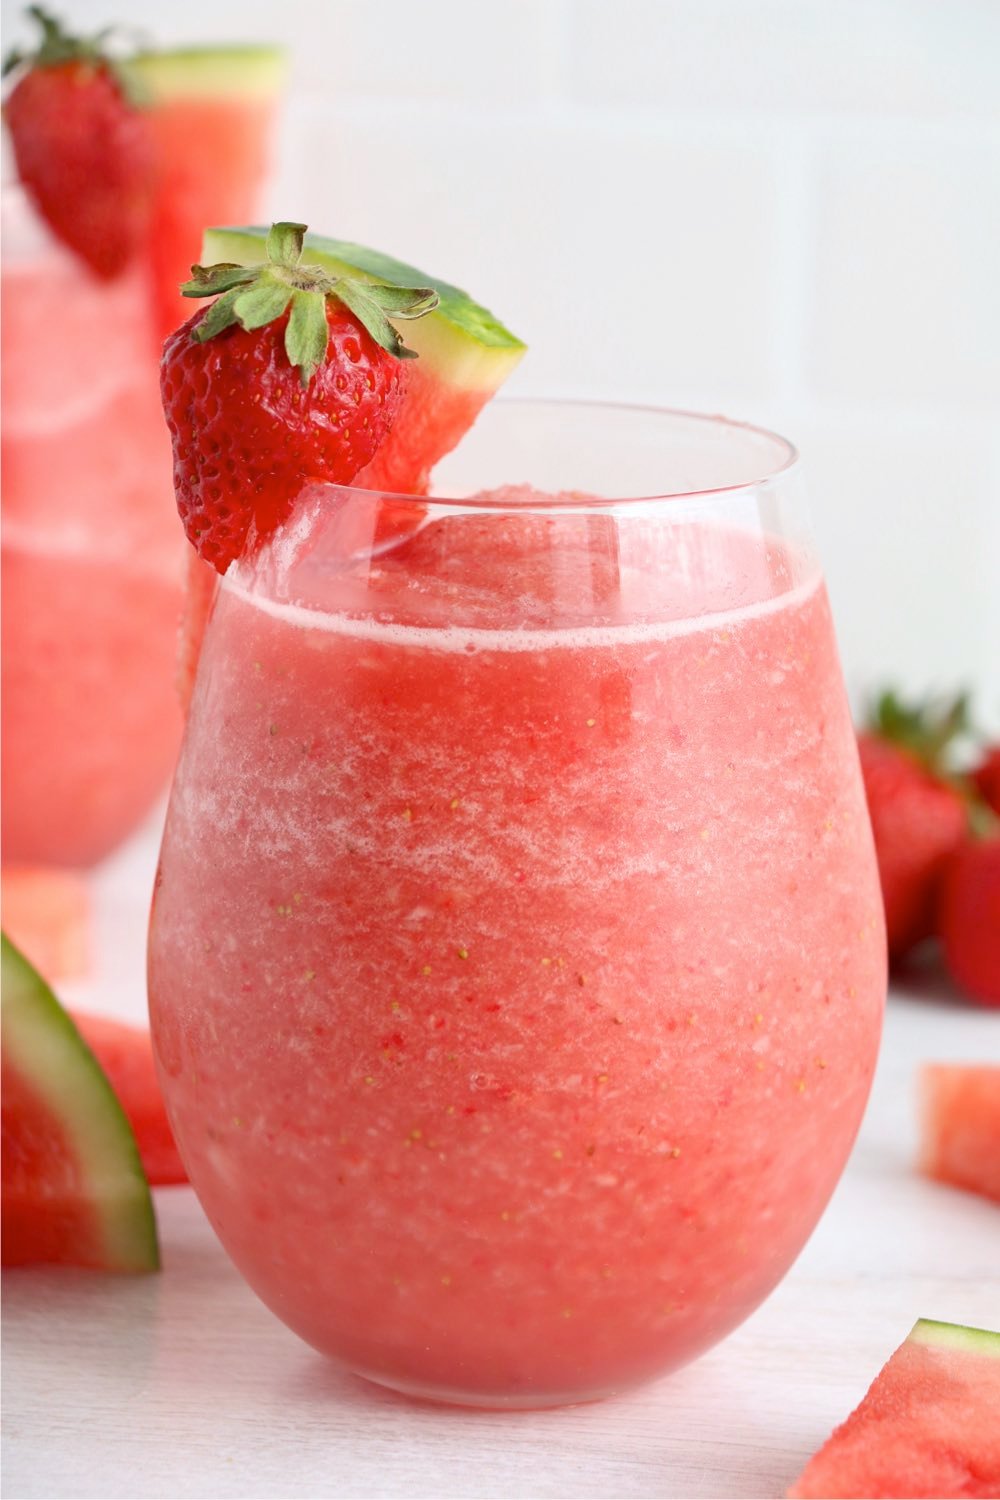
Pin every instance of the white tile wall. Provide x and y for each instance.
(899, 513)
(623, 266)
(434, 50)
(789, 209)
(906, 265)
(797, 58)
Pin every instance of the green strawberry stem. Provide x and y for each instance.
(58, 45)
(933, 731)
(928, 730)
(253, 296)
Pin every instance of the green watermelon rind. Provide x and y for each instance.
(250, 72)
(460, 339)
(955, 1336)
(43, 1045)
(896, 1441)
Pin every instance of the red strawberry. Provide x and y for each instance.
(969, 918)
(84, 152)
(290, 376)
(986, 778)
(918, 817)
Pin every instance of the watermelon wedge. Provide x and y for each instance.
(960, 1127)
(73, 1186)
(465, 355)
(212, 111)
(126, 1055)
(928, 1427)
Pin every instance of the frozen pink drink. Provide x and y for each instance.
(517, 958)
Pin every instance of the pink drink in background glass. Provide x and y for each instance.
(517, 959)
(91, 563)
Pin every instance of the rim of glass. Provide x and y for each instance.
(787, 459)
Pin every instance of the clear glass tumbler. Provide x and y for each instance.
(92, 564)
(517, 961)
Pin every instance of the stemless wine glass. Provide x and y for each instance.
(517, 960)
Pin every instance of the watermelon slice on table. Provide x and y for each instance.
(465, 355)
(74, 1192)
(212, 112)
(126, 1055)
(928, 1427)
(960, 1128)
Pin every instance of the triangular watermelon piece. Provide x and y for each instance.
(74, 1192)
(465, 355)
(960, 1123)
(125, 1053)
(929, 1427)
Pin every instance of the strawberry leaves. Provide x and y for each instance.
(254, 296)
(59, 46)
(262, 302)
(56, 46)
(928, 730)
(84, 149)
(370, 302)
(306, 334)
(218, 278)
(284, 244)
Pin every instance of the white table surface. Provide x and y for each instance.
(183, 1384)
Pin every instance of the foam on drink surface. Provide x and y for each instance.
(508, 576)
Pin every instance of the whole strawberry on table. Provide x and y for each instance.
(937, 837)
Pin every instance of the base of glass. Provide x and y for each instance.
(485, 1401)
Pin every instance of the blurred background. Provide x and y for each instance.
(786, 210)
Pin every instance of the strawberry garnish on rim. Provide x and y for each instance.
(290, 376)
(83, 148)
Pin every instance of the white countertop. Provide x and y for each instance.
(183, 1384)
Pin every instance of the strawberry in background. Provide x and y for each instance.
(969, 912)
(969, 917)
(937, 836)
(986, 778)
(84, 151)
(918, 811)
